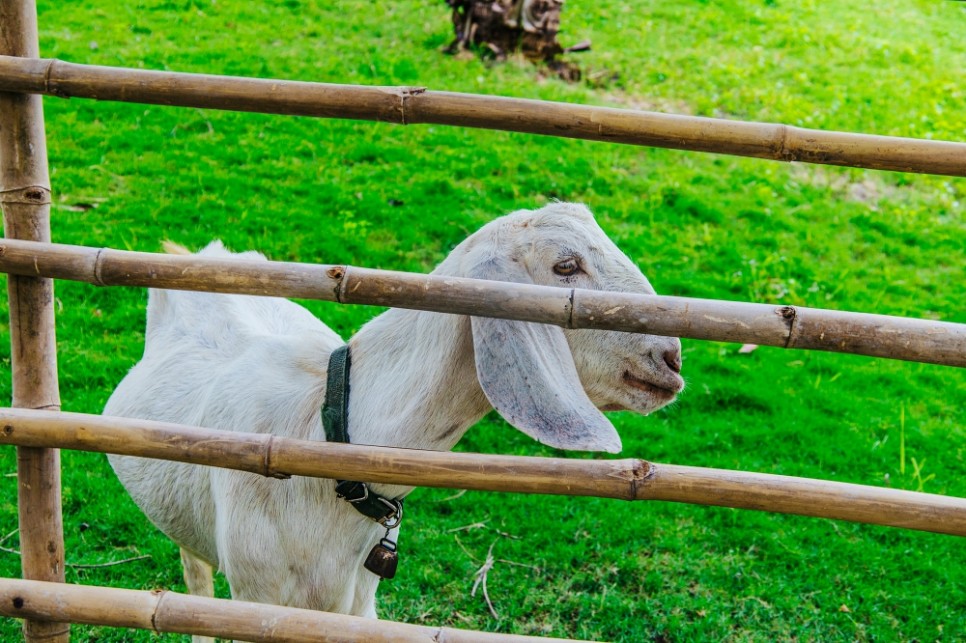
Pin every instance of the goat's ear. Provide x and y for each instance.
(528, 374)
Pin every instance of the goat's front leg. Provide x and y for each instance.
(198, 578)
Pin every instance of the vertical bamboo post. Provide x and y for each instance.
(25, 198)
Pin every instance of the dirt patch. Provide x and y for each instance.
(646, 103)
(867, 189)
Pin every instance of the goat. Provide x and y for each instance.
(418, 380)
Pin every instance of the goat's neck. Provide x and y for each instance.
(413, 381)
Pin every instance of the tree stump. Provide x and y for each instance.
(500, 27)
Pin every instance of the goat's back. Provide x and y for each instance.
(200, 320)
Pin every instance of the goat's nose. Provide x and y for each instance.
(672, 357)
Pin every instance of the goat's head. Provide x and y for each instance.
(546, 381)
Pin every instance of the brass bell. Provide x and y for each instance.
(383, 559)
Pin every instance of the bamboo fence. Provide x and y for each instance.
(771, 325)
(410, 105)
(164, 611)
(627, 479)
(31, 260)
(25, 198)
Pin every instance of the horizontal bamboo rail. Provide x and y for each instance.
(165, 611)
(785, 326)
(627, 479)
(409, 105)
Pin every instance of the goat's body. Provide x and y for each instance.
(240, 364)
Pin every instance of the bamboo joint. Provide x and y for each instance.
(29, 195)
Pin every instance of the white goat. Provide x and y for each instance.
(418, 380)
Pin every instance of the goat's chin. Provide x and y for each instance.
(612, 407)
(641, 396)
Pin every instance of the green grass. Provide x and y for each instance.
(698, 225)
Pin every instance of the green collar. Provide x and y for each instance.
(335, 418)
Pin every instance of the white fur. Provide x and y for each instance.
(418, 380)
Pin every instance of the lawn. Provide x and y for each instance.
(335, 191)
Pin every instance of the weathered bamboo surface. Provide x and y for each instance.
(408, 105)
(25, 198)
(627, 479)
(770, 325)
(165, 611)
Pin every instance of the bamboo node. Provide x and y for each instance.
(161, 595)
(405, 94)
(98, 265)
(27, 195)
(48, 76)
(789, 314)
(268, 466)
(634, 472)
(641, 470)
(782, 152)
(338, 273)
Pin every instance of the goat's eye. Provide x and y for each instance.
(566, 267)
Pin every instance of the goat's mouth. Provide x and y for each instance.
(661, 392)
(655, 395)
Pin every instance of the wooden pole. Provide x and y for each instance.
(25, 198)
(920, 340)
(409, 105)
(627, 479)
(164, 611)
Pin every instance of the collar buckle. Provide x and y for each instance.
(391, 520)
(387, 512)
